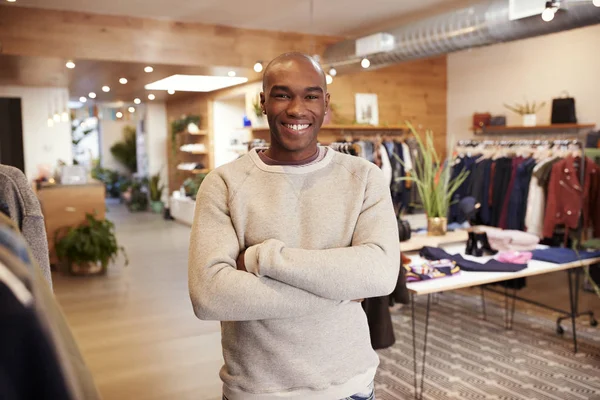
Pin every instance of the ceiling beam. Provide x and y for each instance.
(76, 35)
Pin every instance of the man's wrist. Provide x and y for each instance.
(251, 260)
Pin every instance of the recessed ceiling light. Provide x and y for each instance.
(137, 101)
(131, 109)
(123, 81)
(119, 114)
(82, 99)
(70, 64)
(148, 69)
(258, 67)
(365, 63)
(171, 91)
(92, 95)
(11, 1)
(329, 79)
(333, 72)
(105, 89)
(195, 83)
(151, 96)
(231, 73)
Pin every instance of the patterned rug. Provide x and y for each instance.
(469, 358)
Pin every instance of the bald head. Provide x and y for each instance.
(294, 60)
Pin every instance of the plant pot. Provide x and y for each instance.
(86, 269)
(529, 120)
(437, 226)
(157, 206)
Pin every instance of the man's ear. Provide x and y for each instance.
(262, 102)
(327, 99)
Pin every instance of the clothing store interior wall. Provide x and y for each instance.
(128, 132)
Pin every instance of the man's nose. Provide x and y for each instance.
(297, 108)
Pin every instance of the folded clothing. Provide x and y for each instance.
(514, 257)
(431, 270)
(510, 240)
(560, 255)
(435, 253)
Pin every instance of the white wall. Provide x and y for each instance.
(41, 144)
(157, 134)
(110, 133)
(538, 69)
(228, 121)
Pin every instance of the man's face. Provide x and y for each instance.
(295, 100)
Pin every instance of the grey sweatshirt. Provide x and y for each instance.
(316, 236)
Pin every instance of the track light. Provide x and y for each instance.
(332, 72)
(131, 109)
(365, 63)
(550, 10)
(137, 101)
(329, 79)
(258, 67)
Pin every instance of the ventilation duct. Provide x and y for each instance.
(478, 25)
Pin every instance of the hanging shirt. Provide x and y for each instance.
(536, 201)
(386, 165)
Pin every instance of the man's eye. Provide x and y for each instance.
(282, 96)
(311, 97)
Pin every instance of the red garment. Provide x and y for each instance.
(566, 200)
(503, 222)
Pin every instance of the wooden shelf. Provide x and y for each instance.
(195, 152)
(529, 129)
(202, 132)
(355, 128)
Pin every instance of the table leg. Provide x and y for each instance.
(419, 394)
(574, 297)
(483, 303)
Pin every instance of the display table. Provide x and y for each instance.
(466, 279)
(417, 242)
(67, 205)
(182, 209)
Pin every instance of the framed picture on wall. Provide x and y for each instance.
(367, 109)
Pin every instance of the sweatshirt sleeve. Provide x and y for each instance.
(368, 268)
(219, 291)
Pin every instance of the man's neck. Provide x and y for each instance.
(287, 156)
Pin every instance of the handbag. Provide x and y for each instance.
(403, 230)
(481, 119)
(563, 110)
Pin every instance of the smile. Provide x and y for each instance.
(297, 127)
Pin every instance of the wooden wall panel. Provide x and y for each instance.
(413, 91)
(77, 35)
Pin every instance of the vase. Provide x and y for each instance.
(529, 120)
(86, 269)
(437, 226)
(157, 206)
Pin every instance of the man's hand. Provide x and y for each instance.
(241, 265)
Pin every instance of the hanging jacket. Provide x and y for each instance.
(18, 198)
(15, 255)
(567, 199)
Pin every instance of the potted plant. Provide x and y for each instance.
(89, 248)
(432, 178)
(186, 122)
(156, 190)
(136, 196)
(261, 121)
(527, 111)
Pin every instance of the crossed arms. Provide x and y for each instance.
(286, 282)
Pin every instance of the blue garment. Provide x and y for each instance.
(558, 255)
(15, 243)
(518, 197)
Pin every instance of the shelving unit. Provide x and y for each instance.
(509, 130)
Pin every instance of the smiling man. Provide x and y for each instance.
(284, 239)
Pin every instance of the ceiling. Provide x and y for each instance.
(90, 76)
(331, 17)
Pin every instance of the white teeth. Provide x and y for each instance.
(297, 127)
